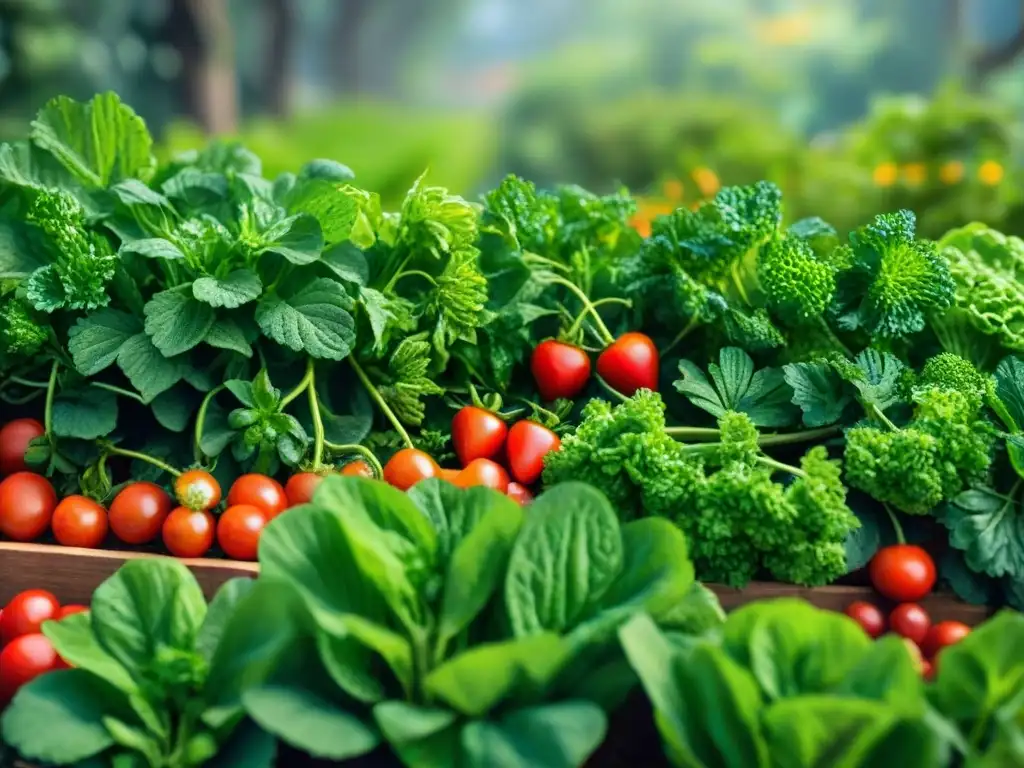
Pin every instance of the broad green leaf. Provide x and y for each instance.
(422, 736)
(101, 141)
(453, 512)
(196, 188)
(879, 384)
(864, 541)
(225, 333)
(560, 735)
(177, 322)
(696, 614)
(19, 258)
(147, 605)
(989, 529)
(323, 168)
(95, 340)
(1010, 390)
(220, 612)
(23, 164)
(174, 408)
(297, 238)
(152, 248)
(349, 662)
(818, 391)
(44, 289)
(237, 288)
(763, 395)
(146, 367)
(328, 203)
(970, 586)
(74, 640)
(886, 672)
(315, 320)
(348, 263)
(58, 718)
(567, 557)
(249, 746)
(486, 675)
(793, 648)
(85, 413)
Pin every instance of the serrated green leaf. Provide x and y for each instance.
(133, 193)
(18, 257)
(315, 320)
(146, 367)
(347, 262)
(196, 188)
(101, 141)
(152, 248)
(177, 322)
(238, 288)
(44, 289)
(174, 408)
(297, 238)
(86, 413)
(323, 199)
(227, 334)
(880, 383)
(818, 391)
(96, 339)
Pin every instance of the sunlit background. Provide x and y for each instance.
(853, 106)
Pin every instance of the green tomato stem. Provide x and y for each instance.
(535, 258)
(316, 416)
(197, 440)
(28, 382)
(379, 400)
(897, 528)
(690, 326)
(876, 413)
(806, 435)
(770, 463)
(361, 450)
(610, 389)
(414, 273)
(710, 434)
(588, 306)
(301, 387)
(118, 391)
(112, 450)
(831, 335)
(578, 321)
(51, 393)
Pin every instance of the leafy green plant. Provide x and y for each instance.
(454, 627)
(156, 678)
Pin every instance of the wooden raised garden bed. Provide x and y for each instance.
(73, 574)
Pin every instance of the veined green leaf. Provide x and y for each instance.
(85, 413)
(177, 322)
(238, 288)
(297, 238)
(315, 320)
(146, 367)
(227, 334)
(96, 339)
(152, 248)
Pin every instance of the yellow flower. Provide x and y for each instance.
(990, 172)
(673, 190)
(641, 224)
(885, 175)
(707, 181)
(951, 172)
(914, 174)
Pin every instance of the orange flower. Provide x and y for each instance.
(885, 175)
(641, 224)
(951, 172)
(673, 190)
(914, 174)
(707, 181)
(990, 172)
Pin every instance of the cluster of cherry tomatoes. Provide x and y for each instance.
(562, 370)
(906, 574)
(25, 652)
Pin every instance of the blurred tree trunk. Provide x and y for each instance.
(201, 32)
(277, 77)
(345, 39)
(994, 59)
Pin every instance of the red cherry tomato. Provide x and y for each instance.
(239, 529)
(868, 616)
(188, 532)
(408, 467)
(138, 512)
(450, 475)
(630, 363)
(911, 621)
(477, 434)
(358, 468)
(927, 669)
(528, 444)
(299, 488)
(27, 501)
(483, 472)
(519, 494)
(26, 613)
(67, 610)
(197, 489)
(903, 572)
(259, 491)
(560, 370)
(942, 635)
(14, 439)
(79, 522)
(23, 660)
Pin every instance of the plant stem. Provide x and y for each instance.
(115, 451)
(833, 338)
(315, 415)
(414, 273)
(709, 434)
(694, 322)
(588, 306)
(118, 391)
(301, 387)
(197, 440)
(51, 392)
(384, 407)
(389, 286)
(798, 437)
(900, 538)
(537, 409)
(876, 413)
(578, 321)
(610, 389)
(28, 382)
(535, 258)
(362, 450)
(779, 466)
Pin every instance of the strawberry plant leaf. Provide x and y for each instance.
(152, 248)
(238, 288)
(818, 391)
(177, 322)
(315, 320)
(227, 334)
(297, 238)
(146, 367)
(86, 413)
(96, 339)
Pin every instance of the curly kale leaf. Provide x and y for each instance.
(798, 286)
(21, 333)
(456, 305)
(435, 221)
(406, 382)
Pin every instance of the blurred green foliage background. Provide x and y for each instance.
(853, 107)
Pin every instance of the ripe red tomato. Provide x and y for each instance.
(299, 488)
(483, 472)
(14, 439)
(138, 512)
(927, 669)
(197, 489)
(239, 529)
(79, 522)
(911, 621)
(450, 475)
(27, 501)
(188, 532)
(358, 468)
(408, 467)
(259, 491)
(942, 635)
(519, 494)
(26, 613)
(24, 659)
(630, 363)
(528, 444)
(477, 434)
(560, 369)
(903, 572)
(67, 610)
(868, 616)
